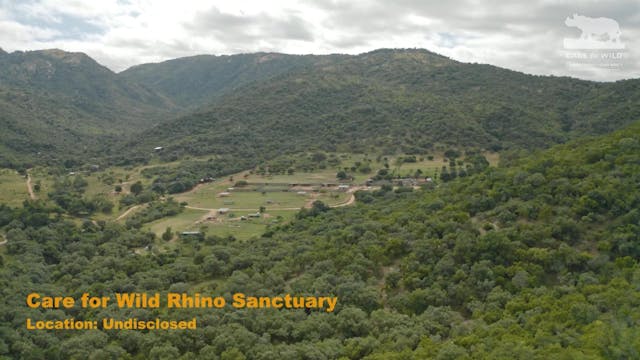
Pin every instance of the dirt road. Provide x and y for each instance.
(32, 196)
(124, 214)
(352, 199)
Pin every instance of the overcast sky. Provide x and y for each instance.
(520, 35)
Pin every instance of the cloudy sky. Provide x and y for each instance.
(523, 35)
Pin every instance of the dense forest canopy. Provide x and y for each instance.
(535, 260)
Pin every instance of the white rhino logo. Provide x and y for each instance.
(597, 33)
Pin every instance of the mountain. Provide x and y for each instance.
(56, 104)
(397, 100)
(197, 80)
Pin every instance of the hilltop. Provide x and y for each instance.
(390, 101)
(61, 105)
(195, 81)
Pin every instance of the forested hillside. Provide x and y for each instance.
(60, 105)
(198, 80)
(538, 260)
(396, 101)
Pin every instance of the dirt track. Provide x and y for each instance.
(32, 196)
(351, 200)
(124, 214)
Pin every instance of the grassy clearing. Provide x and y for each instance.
(13, 188)
(222, 225)
(185, 221)
(246, 229)
(276, 201)
(208, 196)
(319, 176)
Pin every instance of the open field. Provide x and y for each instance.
(182, 222)
(280, 201)
(251, 198)
(13, 188)
(204, 201)
(245, 229)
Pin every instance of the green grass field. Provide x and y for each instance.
(13, 188)
(280, 205)
(207, 196)
(245, 229)
(184, 221)
(225, 225)
(318, 176)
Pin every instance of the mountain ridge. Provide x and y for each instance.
(398, 101)
(57, 104)
(386, 100)
(197, 80)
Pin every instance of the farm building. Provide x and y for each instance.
(223, 210)
(224, 194)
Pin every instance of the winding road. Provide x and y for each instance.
(351, 200)
(124, 214)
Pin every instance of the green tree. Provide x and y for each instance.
(167, 234)
(136, 188)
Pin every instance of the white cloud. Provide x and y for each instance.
(521, 35)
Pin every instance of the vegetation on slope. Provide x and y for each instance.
(197, 80)
(394, 101)
(537, 260)
(57, 106)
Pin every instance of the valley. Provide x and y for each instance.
(244, 204)
(451, 210)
